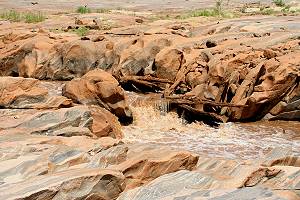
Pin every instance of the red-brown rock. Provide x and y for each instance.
(98, 87)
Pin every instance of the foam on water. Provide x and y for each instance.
(230, 140)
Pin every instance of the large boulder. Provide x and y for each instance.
(41, 56)
(105, 123)
(168, 62)
(137, 56)
(24, 54)
(100, 88)
(17, 92)
(74, 59)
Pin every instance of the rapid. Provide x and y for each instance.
(153, 123)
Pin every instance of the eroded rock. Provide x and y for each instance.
(145, 163)
(168, 62)
(17, 92)
(98, 87)
(137, 56)
(72, 184)
(76, 58)
(74, 121)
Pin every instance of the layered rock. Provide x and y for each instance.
(72, 184)
(74, 121)
(145, 163)
(76, 58)
(275, 85)
(17, 92)
(196, 62)
(230, 70)
(137, 56)
(103, 168)
(43, 57)
(222, 179)
(98, 87)
(24, 54)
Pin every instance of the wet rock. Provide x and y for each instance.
(57, 154)
(17, 92)
(72, 184)
(100, 88)
(289, 116)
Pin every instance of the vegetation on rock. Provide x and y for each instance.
(83, 9)
(28, 17)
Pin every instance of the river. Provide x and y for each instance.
(230, 140)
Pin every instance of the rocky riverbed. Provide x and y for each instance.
(198, 108)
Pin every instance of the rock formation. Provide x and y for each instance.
(63, 106)
(98, 87)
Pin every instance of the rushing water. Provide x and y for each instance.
(153, 124)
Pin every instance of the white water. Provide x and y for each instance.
(230, 140)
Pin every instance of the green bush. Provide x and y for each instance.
(205, 12)
(199, 13)
(83, 9)
(103, 10)
(34, 17)
(286, 9)
(82, 31)
(217, 11)
(11, 15)
(268, 11)
(28, 17)
(279, 3)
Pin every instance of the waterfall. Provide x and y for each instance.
(163, 106)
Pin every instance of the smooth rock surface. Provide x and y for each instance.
(72, 184)
(74, 121)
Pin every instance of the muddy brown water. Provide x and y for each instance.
(230, 140)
